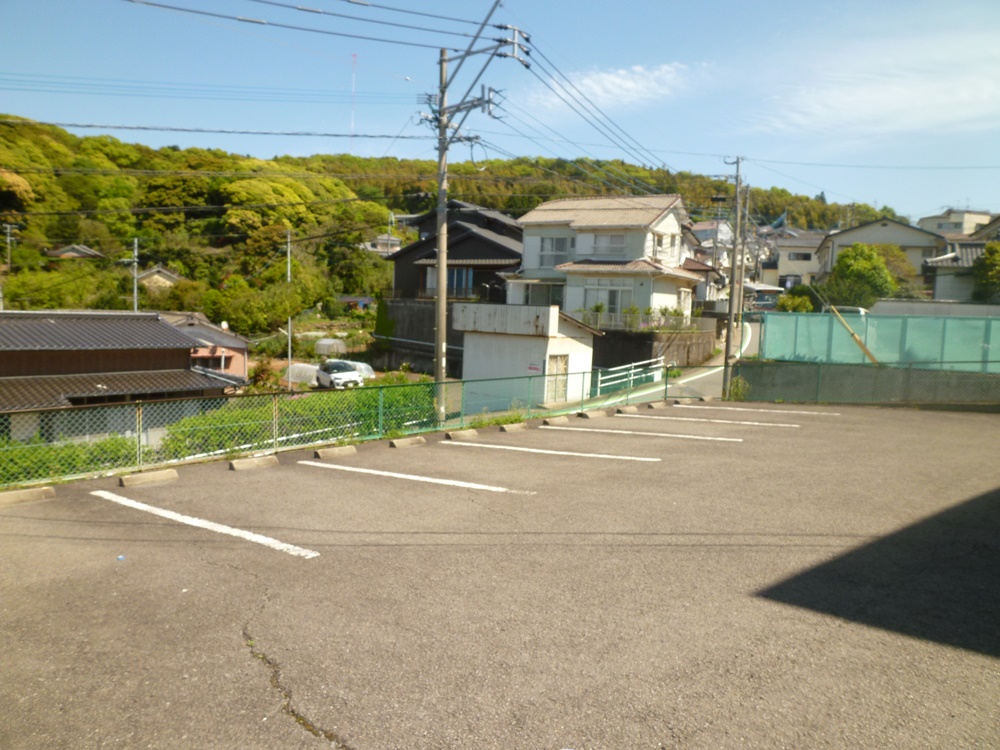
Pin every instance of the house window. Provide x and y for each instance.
(800, 256)
(609, 244)
(545, 294)
(928, 252)
(614, 294)
(459, 280)
(555, 250)
(787, 282)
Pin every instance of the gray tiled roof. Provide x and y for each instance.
(49, 330)
(604, 212)
(626, 267)
(958, 255)
(48, 391)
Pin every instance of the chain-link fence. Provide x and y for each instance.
(46, 445)
(899, 383)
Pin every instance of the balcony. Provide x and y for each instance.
(605, 321)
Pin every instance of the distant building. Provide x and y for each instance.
(955, 221)
(73, 251)
(159, 278)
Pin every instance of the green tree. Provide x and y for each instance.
(859, 277)
(986, 273)
(793, 303)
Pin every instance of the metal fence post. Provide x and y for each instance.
(381, 410)
(666, 385)
(138, 434)
(274, 420)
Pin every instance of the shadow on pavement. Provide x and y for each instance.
(938, 580)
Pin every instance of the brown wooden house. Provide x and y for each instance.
(51, 359)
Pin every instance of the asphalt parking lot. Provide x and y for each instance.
(696, 576)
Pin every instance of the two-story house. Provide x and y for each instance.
(918, 244)
(793, 258)
(482, 243)
(955, 221)
(610, 253)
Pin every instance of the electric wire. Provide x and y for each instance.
(283, 25)
(163, 90)
(411, 12)
(318, 11)
(574, 162)
(626, 179)
(600, 128)
(225, 131)
(596, 108)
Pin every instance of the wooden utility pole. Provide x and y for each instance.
(735, 288)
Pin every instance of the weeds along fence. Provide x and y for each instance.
(47, 445)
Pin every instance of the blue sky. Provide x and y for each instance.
(887, 102)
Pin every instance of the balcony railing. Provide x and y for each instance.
(606, 321)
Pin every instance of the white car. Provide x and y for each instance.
(339, 374)
(366, 370)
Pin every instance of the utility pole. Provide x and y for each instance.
(441, 301)
(288, 278)
(735, 288)
(448, 133)
(8, 228)
(135, 274)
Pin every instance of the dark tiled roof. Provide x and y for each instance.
(50, 330)
(47, 391)
(461, 233)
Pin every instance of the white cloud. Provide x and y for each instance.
(621, 87)
(943, 84)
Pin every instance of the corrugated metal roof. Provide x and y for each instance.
(50, 330)
(48, 391)
(626, 211)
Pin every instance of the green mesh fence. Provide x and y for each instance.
(46, 445)
(947, 343)
(913, 383)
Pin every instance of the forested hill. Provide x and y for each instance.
(222, 220)
(62, 188)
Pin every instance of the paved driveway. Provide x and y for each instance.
(699, 577)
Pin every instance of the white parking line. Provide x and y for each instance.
(548, 452)
(650, 434)
(713, 421)
(417, 478)
(249, 536)
(765, 411)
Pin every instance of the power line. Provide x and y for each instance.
(173, 129)
(915, 167)
(163, 90)
(282, 25)
(411, 12)
(587, 99)
(627, 179)
(318, 11)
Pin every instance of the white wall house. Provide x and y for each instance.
(508, 341)
(620, 253)
(955, 221)
(918, 244)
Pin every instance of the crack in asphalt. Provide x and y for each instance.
(286, 695)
